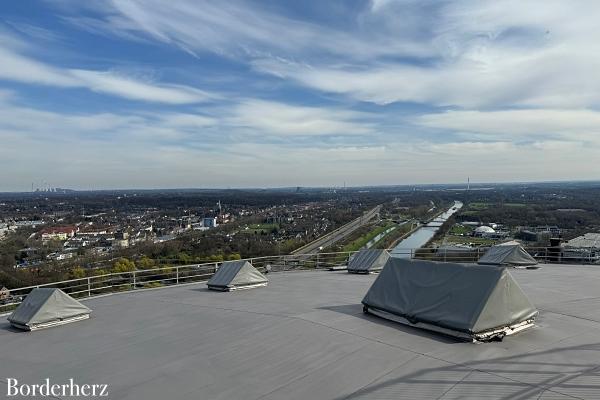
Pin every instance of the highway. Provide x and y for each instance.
(338, 234)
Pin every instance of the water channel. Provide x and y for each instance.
(422, 235)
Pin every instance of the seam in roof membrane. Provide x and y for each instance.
(357, 392)
(569, 315)
(311, 372)
(455, 384)
(471, 369)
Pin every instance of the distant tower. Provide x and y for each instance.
(219, 204)
(468, 183)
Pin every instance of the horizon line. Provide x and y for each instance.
(346, 186)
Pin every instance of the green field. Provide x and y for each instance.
(479, 206)
(357, 243)
(458, 229)
(514, 205)
(484, 206)
(472, 240)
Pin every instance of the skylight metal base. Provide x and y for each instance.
(50, 324)
(496, 334)
(234, 288)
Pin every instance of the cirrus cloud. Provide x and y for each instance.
(281, 119)
(21, 68)
(573, 125)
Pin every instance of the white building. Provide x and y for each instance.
(483, 231)
(582, 248)
(210, 222)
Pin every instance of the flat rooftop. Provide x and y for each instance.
(305, 337)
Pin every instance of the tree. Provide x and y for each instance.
(145, 263)
(216, 257)
(184, 258)
(77, 273)
(123, 265)
(98, 272)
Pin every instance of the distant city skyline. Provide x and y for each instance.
(483, 185)
(197, 94)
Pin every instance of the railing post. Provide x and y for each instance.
(177, 274)
(89, 284)
(411, 253)
(317, 266)
(134, 280)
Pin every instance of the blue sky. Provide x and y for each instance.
(155, 94)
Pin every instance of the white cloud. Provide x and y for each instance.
(521, 80)
(35, 32)
(126, 87)
(23, 69)
(550, 78)
(484, 54)
(572, 125)
(20, 68)
(465, 53)
(286, 120)
(378, 5)
(188, 121)
(169, 150)
(355, 153)
(242, 29)
(56, 127)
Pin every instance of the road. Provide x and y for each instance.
(339, 234)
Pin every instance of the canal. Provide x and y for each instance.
(421, 236)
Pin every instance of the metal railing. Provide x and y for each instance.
(168, 276)
(119, 282)
(176, 275)
(546, 255)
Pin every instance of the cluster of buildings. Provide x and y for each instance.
(100, 236)
(301, 221)
(585, 248)
(582, 248)
(101, 240)
(9, 226)
(493, 232)
(538, 233)
(61, 228)
(57, 233)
